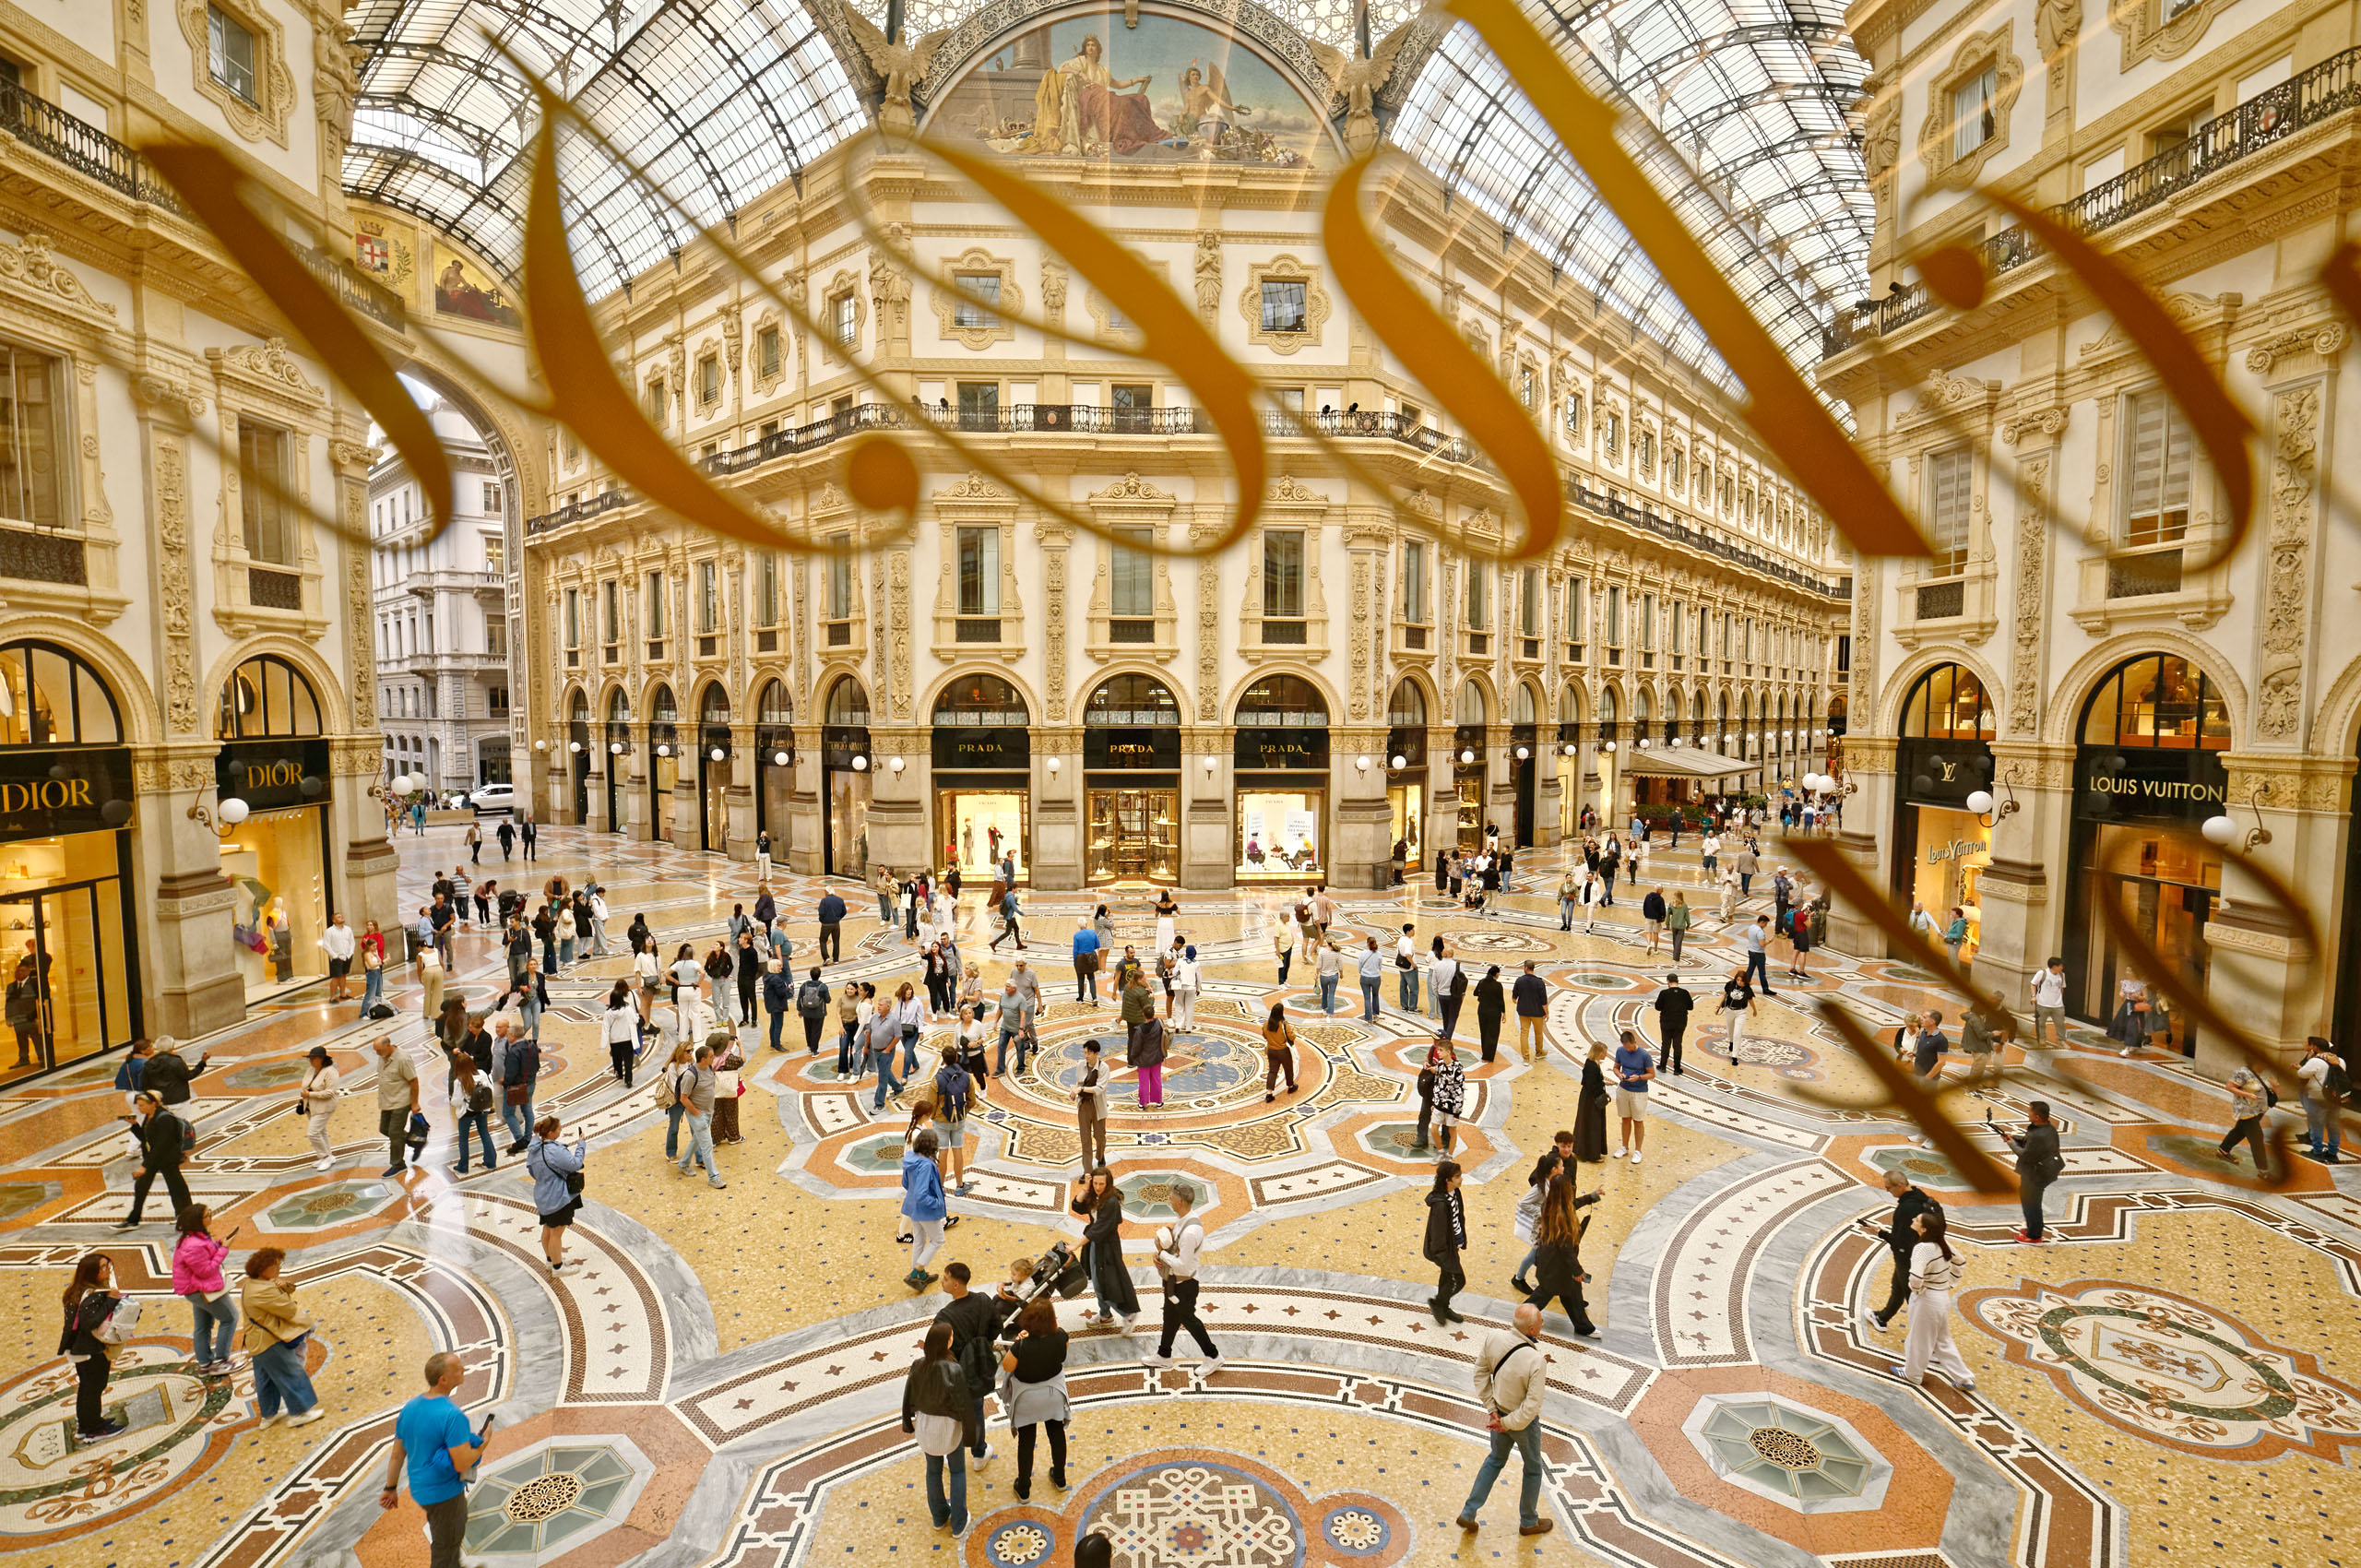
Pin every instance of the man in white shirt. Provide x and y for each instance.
(337, 944)
(1178, 1264)
(2050, 1002)
(1510, 1376)
(1406, 967)
(1710, 849)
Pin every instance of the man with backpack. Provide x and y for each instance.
(2324, 1083)
(693, 1085)
(163, 1141)
(1008, 930)
(811, 1005)
(168, 1073)
(2039, 1163)
(973, 1322)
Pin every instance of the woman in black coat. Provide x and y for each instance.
(1100, 1202)
(90, 1300)
(1492, 1003)
(749, 973)
(1446, 1236)
(1590, 1114)
(1558, 1266)
(1442, 870)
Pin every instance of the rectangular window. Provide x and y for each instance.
(1975, 106)
(611, 619)
(1525, 391)
(1283, 305)
(708, 381)
(766, 592)
(1647, 623)
(1948, 474)
(1577, 595)
(655, 606)
(844, 315)
(574, 617)
(979, 571)
(29, 438)
(495, 637)
(980, 405)
(1133, 594)
(709, 598)
(1676, 465)
(1672, 627)
(1134, 403)
(492, 499)
(1414, 582)
(840, 579)
(979, 293)
(2157, 499)
(269, 512)
(1283, 572)
(1479, 598)
(496, 701)
(1289, 400)
(1615, 617)
(659, 405)
(1647, 452)
(766, 350)
(230, 53)
(1614, 438)
(495, 553)
(1528, 602)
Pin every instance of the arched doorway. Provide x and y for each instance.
(775, 765)
(577, 744)
(1524, 768)
(66, 814)
(663, 760)
(274, 759)
(1610, 719)
(1944, 756)
(983, 775)
(1131, 761)
(713, 769)
(1279, 761)
(1471, 716)
(1569, 760)
(619, 754)
(1406, 772)
(2147, 774)
(843, 777)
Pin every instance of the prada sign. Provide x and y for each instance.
(958, 750)
(286, 770)
(1150, 748)
(2149, 784)
(46, 791)
(1281, 749)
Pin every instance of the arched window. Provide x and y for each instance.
(2159, 700)
(1125, 701)
(1643, 707)
(847, 704)
(267, 696)
(618, 707)
(661, 708)
(55, 699)
(1527, 709)
(1283, 700)
(1470, 708)
(713, 708)
(1569, 704)
(1408, 707)
(1609, 709)
(1948, 704)
(982, 701)
(579, 712)
(775, 706)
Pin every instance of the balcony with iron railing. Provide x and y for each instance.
(1065, 419)
(42, 127)
(2270, 117)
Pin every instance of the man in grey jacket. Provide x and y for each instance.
(695, 1087)
(1511, 1375)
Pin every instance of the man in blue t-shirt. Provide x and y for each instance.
(1633, 1068)
(432, 1435)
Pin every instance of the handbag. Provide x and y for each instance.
(518, 1094)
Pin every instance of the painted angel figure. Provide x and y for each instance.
(1205, 104)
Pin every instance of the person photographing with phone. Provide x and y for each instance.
(432, 1438)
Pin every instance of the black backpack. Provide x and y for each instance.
(811, 1000)
(979, 1364)
(2338, 1082)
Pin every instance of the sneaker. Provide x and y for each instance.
(401, 1170)
(1156, 1360)
(1867, 1320)
(126, 1225)
(1215, 1365)
(983, 1459)
(1521, 1288)
(2029, 1241)
(272, 1420)
(308, 1416)
(325, 1165)
(1898, 1370)
(1636, 1157)
(1129, 1325)
(716, 1183)
(1619, 1154)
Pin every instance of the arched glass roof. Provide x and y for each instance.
(1744, 111)
(719, 99)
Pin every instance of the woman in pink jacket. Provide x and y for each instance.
(197, 1279)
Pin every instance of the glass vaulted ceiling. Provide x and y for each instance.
(1748, 111)
(719, 99)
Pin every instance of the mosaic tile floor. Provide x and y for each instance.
(2178, 1375)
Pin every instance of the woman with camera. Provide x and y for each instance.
(557, 1187)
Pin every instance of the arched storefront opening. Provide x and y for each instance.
(844, 773)
(1944, 754)
(618, 755)
(1280, 764)
(1470, 759)
(66, 814)
(774, 766)
(279, 860)
(578, 742)
(983, 776)
(2147, 773)
(1569, 760)
(1525, 767)
(663, 760)
(714, 766)
(1130, 762)
(1610, 741)
(1405, 774)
